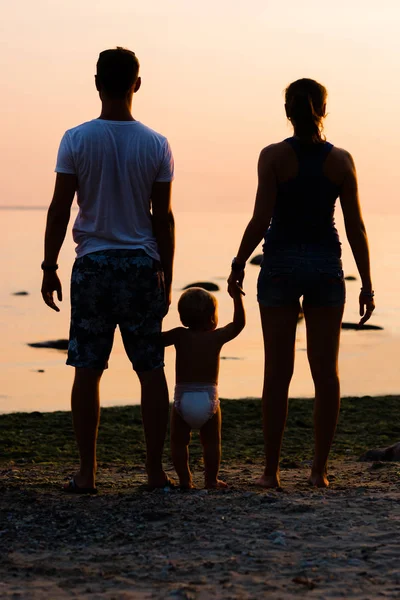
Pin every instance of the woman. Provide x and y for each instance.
(299, 181)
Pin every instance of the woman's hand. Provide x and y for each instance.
(235, 283)
(367, 306)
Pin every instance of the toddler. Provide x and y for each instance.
(196, 404)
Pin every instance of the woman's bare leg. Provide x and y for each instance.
(279, 332)
(323, 336)
(210, 435)
(180, 438)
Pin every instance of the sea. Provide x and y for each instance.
(37, 379)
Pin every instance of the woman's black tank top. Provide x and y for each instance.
(305, 205)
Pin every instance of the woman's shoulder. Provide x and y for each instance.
(274, 153)
(341, 158)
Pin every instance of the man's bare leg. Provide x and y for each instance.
(85, 404)
(180, 438)
(210, 435)
(155, 407)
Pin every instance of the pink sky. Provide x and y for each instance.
(213, 76)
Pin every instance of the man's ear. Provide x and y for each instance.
(137, 85)
(96, 83)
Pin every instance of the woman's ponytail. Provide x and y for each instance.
(305, 108)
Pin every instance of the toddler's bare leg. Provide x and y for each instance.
(180, 438)
(210, 435)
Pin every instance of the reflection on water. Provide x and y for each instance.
(206, 244)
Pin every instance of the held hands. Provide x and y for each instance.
(367, 306)
(51, 283)
(235, 283)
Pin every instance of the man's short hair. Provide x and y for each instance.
(117, 71)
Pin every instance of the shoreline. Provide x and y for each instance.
(364, 423)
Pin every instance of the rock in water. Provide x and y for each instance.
(22, 293)
(357, 328)
(256, 260)
(57, 344)
(350, 278)
(205, 285)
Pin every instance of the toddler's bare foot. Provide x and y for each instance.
(269, 481)
(186, 485)
(319, 480)
(218, 484)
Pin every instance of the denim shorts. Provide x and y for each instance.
(291, 273)
(117, 287)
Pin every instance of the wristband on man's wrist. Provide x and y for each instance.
(45, 267)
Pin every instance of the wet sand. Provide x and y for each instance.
(244, 543)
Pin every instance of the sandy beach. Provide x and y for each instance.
(242, 543)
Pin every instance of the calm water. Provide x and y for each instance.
(205, 246)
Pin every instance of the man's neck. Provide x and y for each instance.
(116, 110)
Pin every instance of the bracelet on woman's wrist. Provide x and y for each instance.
(237, 266)
(370, 294)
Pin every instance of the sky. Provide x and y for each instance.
(213, 77)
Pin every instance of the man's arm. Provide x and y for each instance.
(57, 222)
(164, 230)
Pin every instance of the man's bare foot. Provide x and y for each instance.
(271, 482)
(319, 480)
(85, 482)
(218, 484)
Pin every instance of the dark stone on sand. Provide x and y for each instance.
(40, 371)
(22, 293)
(364, 327)
(391, 453)
(205, 285)
(56, 344)
(256, 260)
(350, 278)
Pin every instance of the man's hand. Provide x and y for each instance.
(51, 283)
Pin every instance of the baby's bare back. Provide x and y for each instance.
(197, 356)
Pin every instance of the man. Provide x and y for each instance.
(124, 234)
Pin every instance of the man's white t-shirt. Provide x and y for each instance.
(116, 163)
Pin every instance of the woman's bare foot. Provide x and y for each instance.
(269, 481)
(218, 484)
(319, 480)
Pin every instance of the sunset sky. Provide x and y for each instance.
(213, 79)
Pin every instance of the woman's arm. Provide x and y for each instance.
(262, 214)
(357, 236)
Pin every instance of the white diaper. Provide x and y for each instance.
(196, 402)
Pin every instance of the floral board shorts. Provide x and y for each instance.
(306, 271)
(117, 287)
